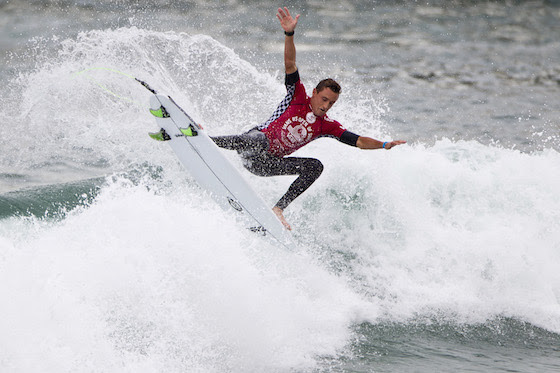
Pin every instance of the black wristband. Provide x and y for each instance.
(291, 33)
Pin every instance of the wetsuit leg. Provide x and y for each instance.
(253, 148)
(248, 143)
(308, 169)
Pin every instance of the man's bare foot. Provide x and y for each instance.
(280, 214)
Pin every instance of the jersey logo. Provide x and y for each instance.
(296, 131)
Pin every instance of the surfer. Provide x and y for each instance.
(298, 120)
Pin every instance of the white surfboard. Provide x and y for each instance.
(211, 169)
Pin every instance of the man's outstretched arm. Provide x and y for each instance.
(289, 24)
(369, 143)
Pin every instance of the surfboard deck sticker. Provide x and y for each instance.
(212, 170)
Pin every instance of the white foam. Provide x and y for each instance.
(458, 230)
(165, 282)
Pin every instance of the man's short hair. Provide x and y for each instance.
(328, 83)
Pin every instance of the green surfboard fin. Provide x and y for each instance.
(160, 113)
(160, 136)
(190, 131)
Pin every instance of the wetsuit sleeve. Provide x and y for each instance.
(292, 78)
(349, 138)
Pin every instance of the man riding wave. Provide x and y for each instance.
(298, 120)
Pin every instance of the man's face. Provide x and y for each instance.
(322, 101)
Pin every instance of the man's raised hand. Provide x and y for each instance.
(287, 22)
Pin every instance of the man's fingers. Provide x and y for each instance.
(281, 13)
(395, 143)
(286, 19)
(287, 12)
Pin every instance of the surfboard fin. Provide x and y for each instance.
(160, 113)
(160, 136)
(189, 131)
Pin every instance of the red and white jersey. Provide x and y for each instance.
(293, 124)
